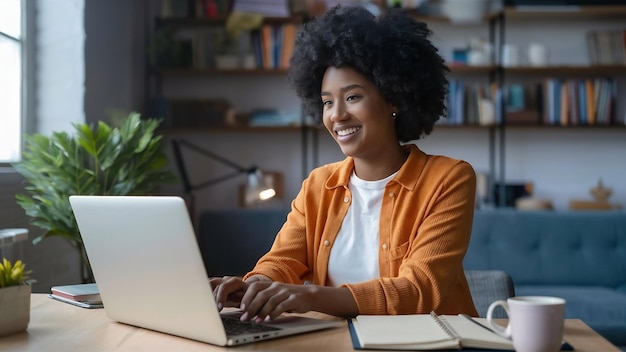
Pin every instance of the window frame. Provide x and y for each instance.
(27, 58)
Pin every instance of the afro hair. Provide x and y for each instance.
(392, 50)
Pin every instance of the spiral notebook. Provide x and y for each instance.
(420, 332)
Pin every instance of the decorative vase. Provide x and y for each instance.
(14, 309)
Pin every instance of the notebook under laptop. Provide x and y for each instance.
(150, 272)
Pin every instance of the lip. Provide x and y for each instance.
(338, 128)
(353, 130)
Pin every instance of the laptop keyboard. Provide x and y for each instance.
(234, 326)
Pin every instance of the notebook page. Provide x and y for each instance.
(472, 335)
(393, 330)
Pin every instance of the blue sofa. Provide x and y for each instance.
(580, 256)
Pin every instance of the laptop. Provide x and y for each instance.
(150, 272)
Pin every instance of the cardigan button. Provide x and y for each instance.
(384, 246)
(392, 194)
(326, 243)
(346, 200)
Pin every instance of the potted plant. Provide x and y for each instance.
(14, 297)
(102, 160)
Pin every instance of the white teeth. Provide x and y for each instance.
(347, 131)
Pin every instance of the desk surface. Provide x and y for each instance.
(58, 326)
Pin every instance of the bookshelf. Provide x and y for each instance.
(497, 25)
(190, 47)
(502, 27)
(558, 18)
(559, 72)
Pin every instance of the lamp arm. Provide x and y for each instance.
(211, 155)
(216, 180)
(180, 163)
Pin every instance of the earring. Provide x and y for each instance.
(394, 114)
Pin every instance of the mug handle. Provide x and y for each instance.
(504, 331)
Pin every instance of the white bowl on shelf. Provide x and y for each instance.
(465, 11)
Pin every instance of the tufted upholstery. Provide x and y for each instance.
(488, 286)
(580, 256)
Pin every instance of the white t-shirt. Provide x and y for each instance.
(354, 256)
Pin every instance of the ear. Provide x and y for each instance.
(394, 109)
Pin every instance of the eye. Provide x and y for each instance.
(352, 97)
(326, 102)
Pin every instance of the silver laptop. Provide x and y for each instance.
(150, 272)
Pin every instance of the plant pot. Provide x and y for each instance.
(14, 309)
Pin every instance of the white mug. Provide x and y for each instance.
(535, 322)
(538, 55)
(510, 55)
(476, 58)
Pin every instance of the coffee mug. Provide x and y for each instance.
(535, 322)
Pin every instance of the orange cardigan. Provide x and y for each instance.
(425, 226)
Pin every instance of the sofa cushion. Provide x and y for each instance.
(551, 248)
(603, 309)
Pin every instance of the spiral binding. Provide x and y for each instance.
(443, 324)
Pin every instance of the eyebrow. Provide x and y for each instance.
(344, 89)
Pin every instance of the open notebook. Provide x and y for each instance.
(423, 332)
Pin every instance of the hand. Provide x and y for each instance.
(228, 291)
(267, 300)
(260, 298)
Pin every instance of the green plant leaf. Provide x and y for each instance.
(101, 160)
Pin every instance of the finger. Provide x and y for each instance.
(215, 281)
(270, 300)
(283, 306)
(292, 298)
(250, 303)
(229, 292)
(272, 308)
(286, 301)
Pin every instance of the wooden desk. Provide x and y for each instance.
(57, 326)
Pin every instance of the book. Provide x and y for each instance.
(289, 33)
(77, 303)
(86, 293)
(419, 332)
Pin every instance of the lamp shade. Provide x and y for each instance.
(257, 188)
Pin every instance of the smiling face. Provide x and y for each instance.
(357, 115)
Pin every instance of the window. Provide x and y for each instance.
(10, 80)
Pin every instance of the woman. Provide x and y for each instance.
(385, 230)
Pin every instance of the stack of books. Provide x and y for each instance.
(82, 295)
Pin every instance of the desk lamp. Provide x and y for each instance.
(257, 190)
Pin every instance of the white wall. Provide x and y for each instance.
(60, 68)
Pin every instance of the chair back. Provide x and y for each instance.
(487, 286)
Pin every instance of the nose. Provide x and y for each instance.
(337, 112)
